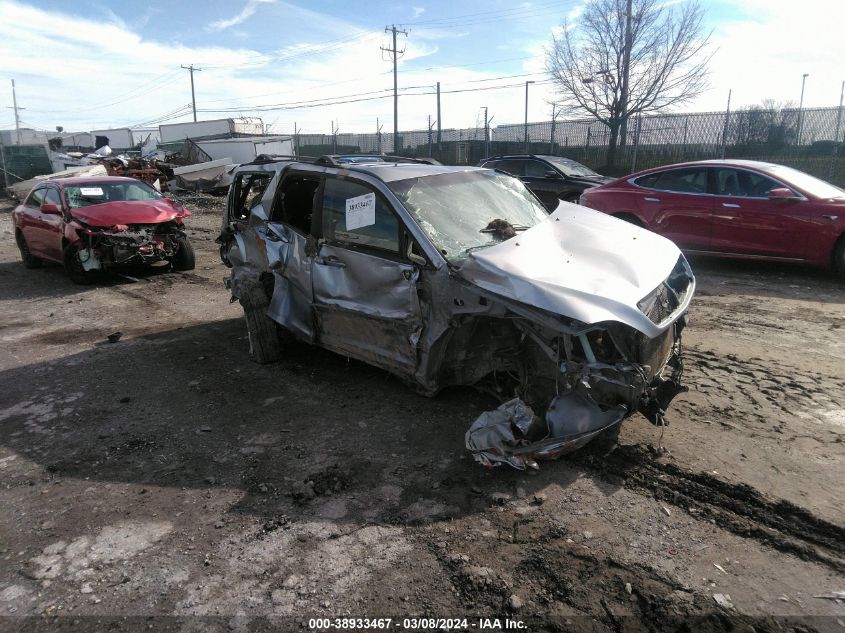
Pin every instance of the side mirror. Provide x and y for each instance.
(551, 175)
(782, 193)
(49, 207)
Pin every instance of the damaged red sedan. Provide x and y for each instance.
(95, 224)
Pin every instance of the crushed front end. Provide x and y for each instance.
(587, 379)
(124, 245)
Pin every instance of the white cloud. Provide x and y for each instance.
(248, 10)
(92, 73)
(764, 55)
(418, 11)
(118, 78)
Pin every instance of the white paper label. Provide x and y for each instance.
(360, 211)
(91, 191)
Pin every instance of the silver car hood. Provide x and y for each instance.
(581, 264)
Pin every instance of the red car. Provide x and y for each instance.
(733, 208)
(93, 224)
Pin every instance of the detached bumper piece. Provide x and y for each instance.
(512, 434)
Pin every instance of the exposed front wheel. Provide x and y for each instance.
(264, 343)
(74, 268)
(29, 260)
(184, 258)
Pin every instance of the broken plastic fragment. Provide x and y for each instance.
(512, 434)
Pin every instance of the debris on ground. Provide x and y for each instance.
(723, 600)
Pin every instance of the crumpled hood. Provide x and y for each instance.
(129, 212)
(581, 264)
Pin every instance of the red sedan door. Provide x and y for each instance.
(53, 226)
(31, 225)
(675, 205)
(746, 222)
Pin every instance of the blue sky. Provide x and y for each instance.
(92, 64)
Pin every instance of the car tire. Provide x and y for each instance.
(184, 259)
(264, 342)
(29, 260)
(73, 266)
(839, 256)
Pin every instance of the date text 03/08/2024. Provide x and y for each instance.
(417, 624)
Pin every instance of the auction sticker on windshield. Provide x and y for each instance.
(360, 211)
(91, 191)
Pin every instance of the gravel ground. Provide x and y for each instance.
(165, 482)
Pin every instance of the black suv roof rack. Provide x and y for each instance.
(500, 156)
(263, 159)
(337, 160)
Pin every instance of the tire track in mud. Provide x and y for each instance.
(760, 394)
(735, 507)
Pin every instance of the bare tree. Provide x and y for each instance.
(770, 125)
(623, 58)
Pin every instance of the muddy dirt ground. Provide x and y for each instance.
(165, 482)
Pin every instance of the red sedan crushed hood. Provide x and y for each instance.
(129, 212)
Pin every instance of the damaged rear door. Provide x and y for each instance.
(365, 291)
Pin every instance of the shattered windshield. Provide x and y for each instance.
(570, 167)
(465, 211)
(99, 192)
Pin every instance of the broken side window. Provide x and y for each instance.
(294, 201)
(35, 199)
(354, 215)
(249, 188)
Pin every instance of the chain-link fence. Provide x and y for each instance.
(810, 139)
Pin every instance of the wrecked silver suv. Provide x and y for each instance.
(458, 276)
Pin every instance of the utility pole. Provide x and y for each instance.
(486, 133)
(191, 69)
(552, 135)
(295, 140)
(17, 117)
(395, 55)
(526, 115)
(430, 126)
(439, 136)
(626, 71)
(378, 134)
(335, 130)
(801, 108)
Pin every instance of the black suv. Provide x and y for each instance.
(551, 178)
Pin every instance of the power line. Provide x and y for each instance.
(499, 14)
(127, 96)
(360, 97)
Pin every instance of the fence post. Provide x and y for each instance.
(836, 134)
(727, 119)
(3, 163)
(587, 146)
(636, 142)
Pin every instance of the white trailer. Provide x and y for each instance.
(118, 138)
(245, 149)
(219, 128)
